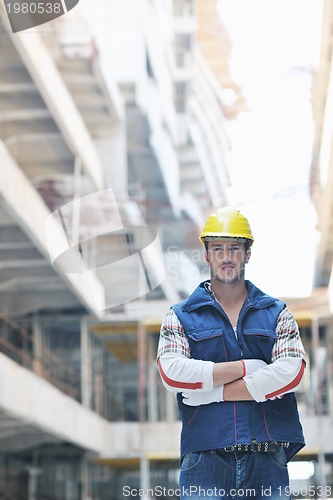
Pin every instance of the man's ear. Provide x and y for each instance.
(206, 255)
(248, 255)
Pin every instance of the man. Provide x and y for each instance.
(234, 356)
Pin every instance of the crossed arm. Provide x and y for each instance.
(235, 380)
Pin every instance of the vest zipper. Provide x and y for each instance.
(220, 309)
(239, 323)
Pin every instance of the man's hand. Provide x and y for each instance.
(252, 365)
(197, 398)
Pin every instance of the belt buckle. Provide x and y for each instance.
(229, 449)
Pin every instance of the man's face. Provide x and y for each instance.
(226, 259)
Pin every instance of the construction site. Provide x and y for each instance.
(108, 171)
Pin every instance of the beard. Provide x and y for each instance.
(231, 276)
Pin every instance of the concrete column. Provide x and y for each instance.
(33, 473)
(316, 388)
(171, 411)
(37, 344)
(77, 194)
(321, 473)
(144, 476)
(85, 480)
(142, 367)
(152, 381)
(86, 375)
(98, 385)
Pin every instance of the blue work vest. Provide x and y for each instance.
(211, 338)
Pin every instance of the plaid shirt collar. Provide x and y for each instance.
(208, 288)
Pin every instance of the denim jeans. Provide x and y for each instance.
(234, 475)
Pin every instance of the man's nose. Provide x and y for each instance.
(226, 256)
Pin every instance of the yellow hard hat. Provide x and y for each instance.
(227, 222)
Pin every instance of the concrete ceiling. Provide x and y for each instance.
(20, 436)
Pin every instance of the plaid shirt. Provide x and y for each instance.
(288, 344)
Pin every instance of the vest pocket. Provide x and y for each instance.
(260, 342)
(208, 345)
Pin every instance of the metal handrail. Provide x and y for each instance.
(64, 377)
